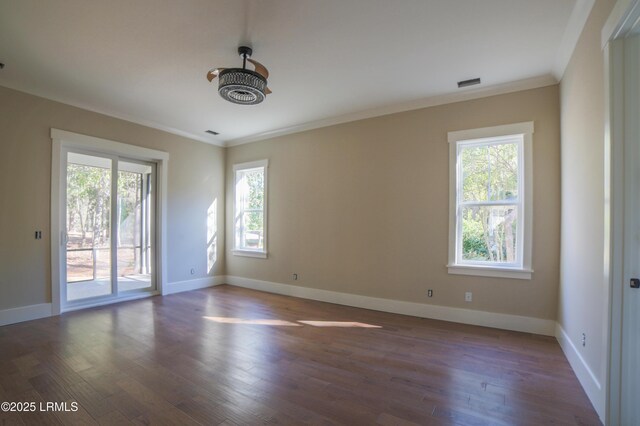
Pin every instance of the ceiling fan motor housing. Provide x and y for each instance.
(242, 86)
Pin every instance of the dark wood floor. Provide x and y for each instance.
(232, 356)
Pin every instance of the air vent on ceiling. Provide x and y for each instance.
(211, 132)
(467, 83)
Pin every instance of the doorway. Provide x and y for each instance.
(621, 39)
(107, 205)
(110, 218)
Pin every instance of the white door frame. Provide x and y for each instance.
(623, 18)
(63, 141)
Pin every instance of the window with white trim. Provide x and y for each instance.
(490, 201)
(250, 209)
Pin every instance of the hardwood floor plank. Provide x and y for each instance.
(130, 408)
(90, 400)
(386, 419)
(15, 383)
(155, 405)
(8, 417)
(113, 418)
(37, 417)
(231, 356)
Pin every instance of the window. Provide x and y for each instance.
(490, 201)
(250, 209)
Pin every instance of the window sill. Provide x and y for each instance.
(249, 253)
(489, 271)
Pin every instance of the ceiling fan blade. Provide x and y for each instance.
(260, 69)
(213, 73)
(267, 91)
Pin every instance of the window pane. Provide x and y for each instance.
(489, 234)
(474, 173)
(129, 222)
(255, 187)
(88, 248)
(253, 230)
(135, 198)
(490, 172)
(249, 211)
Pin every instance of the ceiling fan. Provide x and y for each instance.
(240, 85)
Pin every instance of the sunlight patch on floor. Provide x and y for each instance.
(277, 322)
(339, 324)
(226, 320)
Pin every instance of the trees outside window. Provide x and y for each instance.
(489, 201)
(250, 196)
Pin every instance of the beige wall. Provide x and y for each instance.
(196, 178)
(362, 207)
(583, 294)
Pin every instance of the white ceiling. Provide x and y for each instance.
(330, 60)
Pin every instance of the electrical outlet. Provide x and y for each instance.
(584, 339)
(468, 296)
(429, 293)
(295, 277)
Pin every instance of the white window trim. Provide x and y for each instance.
(525, 197)
(247, 166)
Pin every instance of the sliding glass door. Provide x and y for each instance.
(134, 225)
(110, 226)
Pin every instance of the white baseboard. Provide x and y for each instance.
(188, 285)
(467, 316)
(24, 313)
(588, 380)
(109, 301)
(32, 312)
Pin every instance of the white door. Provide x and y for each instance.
(630, 359)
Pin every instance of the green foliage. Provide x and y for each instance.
(255, 181)
(250, 196)
(489, 173)
(474, 246)
(129, 208)
(255, 201)
(88, 203)
(129, 187)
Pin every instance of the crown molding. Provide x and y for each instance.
(119, 116)
(577, 21)
(463, 95)
(466, 95)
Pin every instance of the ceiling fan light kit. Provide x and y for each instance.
(240, 85)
